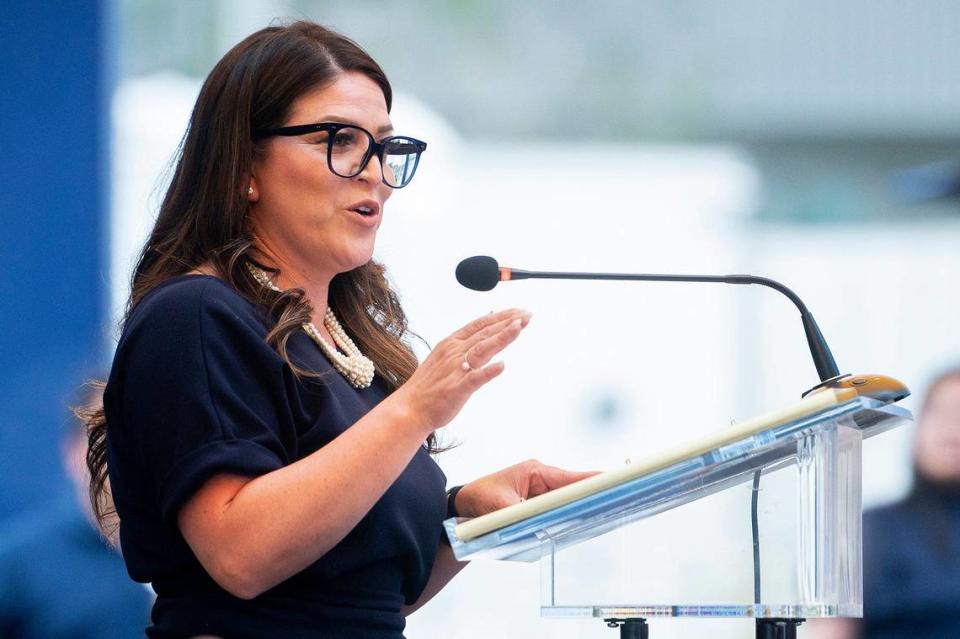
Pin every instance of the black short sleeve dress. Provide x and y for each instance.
(195, 390)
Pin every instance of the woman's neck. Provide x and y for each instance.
(316, 286)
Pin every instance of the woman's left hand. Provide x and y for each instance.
(512, 485)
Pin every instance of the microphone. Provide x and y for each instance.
(483, 273)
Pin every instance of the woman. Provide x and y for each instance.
(267, 430)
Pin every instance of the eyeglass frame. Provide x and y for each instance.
(374, 147)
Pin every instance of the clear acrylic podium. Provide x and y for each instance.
(763, 523)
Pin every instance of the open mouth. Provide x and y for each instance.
(368, 209)
(365, 211)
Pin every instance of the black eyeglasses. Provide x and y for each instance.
(350, 147)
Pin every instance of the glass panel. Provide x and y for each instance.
(594, 564)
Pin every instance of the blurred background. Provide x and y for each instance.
(815, 143)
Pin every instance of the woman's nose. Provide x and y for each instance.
(373, 171)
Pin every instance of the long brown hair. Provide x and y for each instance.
(204, 215)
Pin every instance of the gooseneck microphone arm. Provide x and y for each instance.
(482, 273)
(822, 357)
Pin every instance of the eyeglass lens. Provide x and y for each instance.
(349, 149)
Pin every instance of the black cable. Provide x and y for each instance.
(755, 525)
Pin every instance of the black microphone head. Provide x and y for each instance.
(480, 272)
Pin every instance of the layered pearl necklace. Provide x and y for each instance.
(351, 363)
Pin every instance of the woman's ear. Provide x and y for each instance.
(253, 194)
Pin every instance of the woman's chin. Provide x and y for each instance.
(356, 261)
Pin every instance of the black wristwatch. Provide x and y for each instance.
(452, 502)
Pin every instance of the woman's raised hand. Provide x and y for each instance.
(441, 385)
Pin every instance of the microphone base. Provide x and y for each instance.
(880, 387)
(833, 382)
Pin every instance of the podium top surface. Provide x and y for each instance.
(611, 499)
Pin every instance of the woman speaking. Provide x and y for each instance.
(267, 431)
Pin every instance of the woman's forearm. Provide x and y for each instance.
(252, 534)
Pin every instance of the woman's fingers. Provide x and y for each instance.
(546, 478)
(493, 329)
(486, 321)
(480, 347)
(512, 485)
(483, 351)
(480, 376)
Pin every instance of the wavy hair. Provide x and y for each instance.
(203, 218)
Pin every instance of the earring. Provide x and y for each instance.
(250, 191)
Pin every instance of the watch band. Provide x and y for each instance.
(452, 502)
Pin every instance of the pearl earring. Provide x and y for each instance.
(250, 191)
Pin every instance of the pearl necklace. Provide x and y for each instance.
(354, 365)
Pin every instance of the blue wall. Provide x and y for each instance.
(54, 139)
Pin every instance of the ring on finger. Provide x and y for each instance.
(465, 365)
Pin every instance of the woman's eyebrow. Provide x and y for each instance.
(386, 128)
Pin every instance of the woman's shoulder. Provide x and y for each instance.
(193, 293)
(195, 304)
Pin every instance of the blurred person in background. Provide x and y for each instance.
(267, 429)
(59, 578)
(911, 549)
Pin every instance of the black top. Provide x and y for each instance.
(195, 391)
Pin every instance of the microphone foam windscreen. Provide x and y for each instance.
(480, 272)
